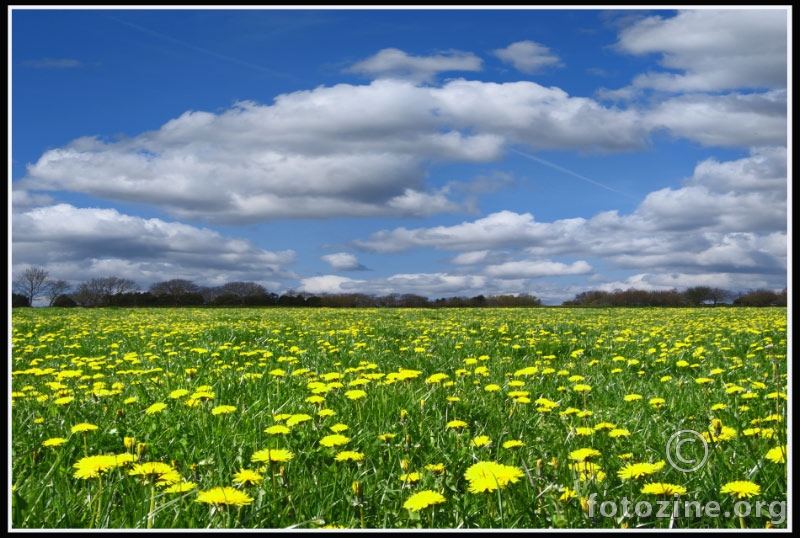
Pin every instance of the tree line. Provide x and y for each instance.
(34, 283)
(695, 296)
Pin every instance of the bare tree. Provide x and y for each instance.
(176, 286)
(719, 295)
(243, 289)
(31, 283)
(54, 288)
(95, 291)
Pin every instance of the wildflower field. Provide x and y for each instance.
(392, 418)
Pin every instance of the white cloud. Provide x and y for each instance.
(330, 284)
(342, 261)
(430, 285)
(764, 170)
(707, 225)
(99, 242)
(394, 63)
(537, 269)
(713, 50)
(735, 120)
(330, 152)
(528, 56)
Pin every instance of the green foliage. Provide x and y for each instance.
(420, 369)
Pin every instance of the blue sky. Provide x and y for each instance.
(429, 151)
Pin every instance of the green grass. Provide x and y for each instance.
(123, 361)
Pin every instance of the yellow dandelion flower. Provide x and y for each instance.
(349, 455)
(155, 408)
(660, 488)
(636, 470)
(92, 466)
(226, 496)
(355, 394)
(272, 455)
(223, 409)
(294, 420)
(436, 378)
(435, 468)
(83, 427)
(513, 443)
(334, 440)
(180, 487)
(741, 488)
(490, 476)
(481, 440)
(582, 454)
(632, 397)
(568, 494)
(386, 437)
(178, 393)
(423, 499)
(339, 428)
(410, 477)
(605, 426)
(277, 429)
(153, 470)
(584, 431)
(777, 454)
(619, 432)
(456, 424)
(247, 477)
(54, 441)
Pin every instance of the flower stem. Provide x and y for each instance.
(99, 500)
(151, 516)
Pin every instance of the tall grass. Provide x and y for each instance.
(497, 363)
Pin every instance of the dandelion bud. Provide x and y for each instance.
(403, 414)
(404, 464)
(141, 448)
(357, 488)
(129, 442)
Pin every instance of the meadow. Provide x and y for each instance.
(393, 418)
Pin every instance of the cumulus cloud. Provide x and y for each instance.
(100, 242)
(424, 284)
(394, 63)
(528, 56)
(335, 151)
(735, 120)
(764, 170)
(712, 50)
(708, 225)
(537, 268)
(343, 261)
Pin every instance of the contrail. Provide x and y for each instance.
(201, 49)
(570, 172)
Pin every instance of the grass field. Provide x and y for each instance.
(490, 418)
